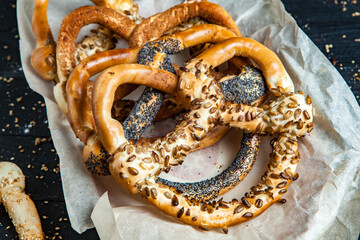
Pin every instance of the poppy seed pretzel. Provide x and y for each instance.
(18, 204)
(69, 30)
(136, 166)
(43, 56)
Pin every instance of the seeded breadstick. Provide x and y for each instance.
(20, 207)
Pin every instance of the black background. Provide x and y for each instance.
(334, 26)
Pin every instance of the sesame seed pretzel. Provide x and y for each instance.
(126, 7)
(136, 166)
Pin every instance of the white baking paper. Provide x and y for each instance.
(322, 204)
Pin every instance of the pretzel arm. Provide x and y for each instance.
(273, 70)
(136, 74)
(80, 113)
(43, 56)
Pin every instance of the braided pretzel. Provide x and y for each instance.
(43, 56)
(69, 29)
(20, 207)
(136, 166)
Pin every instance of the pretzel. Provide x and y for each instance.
(43, 56)
(136, 166)
(69, 29)
(20, 207)
(80, 114)
(220, 184)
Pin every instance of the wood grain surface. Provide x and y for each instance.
(334, 26)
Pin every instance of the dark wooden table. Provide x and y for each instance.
(334, 26)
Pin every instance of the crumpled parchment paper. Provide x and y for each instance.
(322, 204)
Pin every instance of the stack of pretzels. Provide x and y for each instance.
(252, 92)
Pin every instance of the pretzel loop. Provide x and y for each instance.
(69, 30)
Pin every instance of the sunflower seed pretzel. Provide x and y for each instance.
(136, 166)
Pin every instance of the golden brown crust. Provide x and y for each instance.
(155, 26)
(43, 56)
(273, 70)
(79, 103)
(118, 5)
(116, 76)
(73, 23)
(69, 30)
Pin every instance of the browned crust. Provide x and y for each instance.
(117, 4)
(73, 23)
(106, 84)
(156, 25)
(43, 56)
(77, 88)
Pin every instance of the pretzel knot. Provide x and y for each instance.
(136, 166)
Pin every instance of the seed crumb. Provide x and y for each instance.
(44, 168)
(37, 141)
